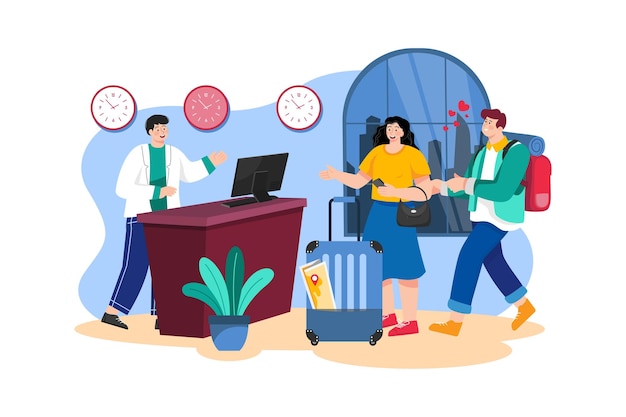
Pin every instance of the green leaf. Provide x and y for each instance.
(234, 275)
(214, 280)
(253, 286)
(203, 293)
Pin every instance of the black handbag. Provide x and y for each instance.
(415, 213)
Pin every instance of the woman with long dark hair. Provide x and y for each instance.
(401, 166)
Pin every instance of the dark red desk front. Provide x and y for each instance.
(268, 234)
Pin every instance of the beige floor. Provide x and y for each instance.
(482, 339)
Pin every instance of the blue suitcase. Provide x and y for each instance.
(355, 269)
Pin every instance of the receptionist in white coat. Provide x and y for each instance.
(149, 180)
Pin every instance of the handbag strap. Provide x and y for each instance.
(425, 195)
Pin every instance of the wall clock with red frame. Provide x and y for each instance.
(299, 107)
(113, 107)
(206, 107)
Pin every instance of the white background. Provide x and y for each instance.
(555, 68)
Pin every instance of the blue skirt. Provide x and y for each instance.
(402, 258)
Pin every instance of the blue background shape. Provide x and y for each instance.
(551, 77)
(254, 132)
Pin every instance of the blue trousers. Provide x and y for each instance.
(134, 269)
(482, 247)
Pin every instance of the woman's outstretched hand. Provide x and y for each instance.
(436, 185)
(328, 174)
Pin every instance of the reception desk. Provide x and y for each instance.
(268, 234)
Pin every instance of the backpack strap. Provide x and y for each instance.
(508, 146)
(504, 151)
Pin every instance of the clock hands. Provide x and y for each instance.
(112, 106)
(296, 104)
(203, 105)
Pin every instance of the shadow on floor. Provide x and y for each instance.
(481, 340)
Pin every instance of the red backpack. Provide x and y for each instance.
(536, 180)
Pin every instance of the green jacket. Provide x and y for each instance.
(505, 190)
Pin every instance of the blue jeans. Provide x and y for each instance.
(482, 247)
(134, 269)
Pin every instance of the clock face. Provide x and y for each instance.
(113, 107)
(206, 107)
(299, 107)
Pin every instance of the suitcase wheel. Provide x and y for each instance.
(376, 336)
(376, 246)
(312, 337)
(312, 245)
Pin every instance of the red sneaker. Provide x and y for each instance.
(390, 320)
(406, 327)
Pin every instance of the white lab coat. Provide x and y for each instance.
(133, 182)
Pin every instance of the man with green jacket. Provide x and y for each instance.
(496, 205)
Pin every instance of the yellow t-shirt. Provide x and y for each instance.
(397, 169)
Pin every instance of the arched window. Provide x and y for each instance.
(442, 99)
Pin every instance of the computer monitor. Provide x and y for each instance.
(257, 175)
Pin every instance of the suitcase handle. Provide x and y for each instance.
(346, 199)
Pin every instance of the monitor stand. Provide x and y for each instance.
(260, 183)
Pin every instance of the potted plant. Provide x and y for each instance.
(228, 296)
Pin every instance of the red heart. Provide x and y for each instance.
(456, 123)
(463, 106)
(466, 116)
(445, 128)
(451, 113)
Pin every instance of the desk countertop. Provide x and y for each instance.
(214, 213)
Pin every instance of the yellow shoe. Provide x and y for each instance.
(523, 313)
(449, 327)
